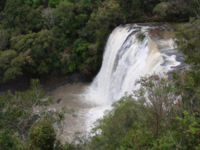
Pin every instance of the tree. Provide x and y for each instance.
(181, 9)
(186, 38)
(53, 3)
(109, 13)
(153, 117)
(42, 135)
(196, 7)
(176, 10)
(39, 49)
(2, 4)
(19, 16)
(187, 83)
(37, 3)
(4, 36)
(64, 15)
(95, 35)
(26, 119)
(19, 110)
(9, 142)
(48, 17)
(5, 65)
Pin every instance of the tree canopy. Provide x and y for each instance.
(69, 35)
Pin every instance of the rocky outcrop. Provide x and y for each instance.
(49, 82)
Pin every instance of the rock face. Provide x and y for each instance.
(49, 82)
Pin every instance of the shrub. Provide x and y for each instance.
(42, 135)
(140, 36)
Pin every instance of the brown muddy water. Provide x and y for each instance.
(71, 98)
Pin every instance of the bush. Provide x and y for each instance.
(187, 40)
(42, 135)
(140, 36)
(155, 116)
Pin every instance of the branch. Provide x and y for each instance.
(197, 14)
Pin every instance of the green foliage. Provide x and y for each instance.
(71, 36)
(4, 39)
(108, 13)
(163, 9)
(37, 51)
(127, 8)
(80, 52)
(9, 142)
(28, 2)
(7, 71)
(53, 3)
(42, 135)
(153, 117)
(19, 16)
(142, 121)
(17, 110)
(64, 15)
(45, 33)
(173, 11)
(96, 33)
(140, 36)
(37, 3)
(187, 83)
(187, 37)
(12, 73)
(26, 122)
(2, 4)
(138, 139)
(189, 128)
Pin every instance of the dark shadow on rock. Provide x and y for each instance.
(50, 81)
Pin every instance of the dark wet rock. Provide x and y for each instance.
(50, 82)
(18, 84)
(155, 34)
(180, 58)
(59, 101)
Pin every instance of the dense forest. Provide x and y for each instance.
(39, 37)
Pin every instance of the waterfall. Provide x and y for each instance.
(125, 60)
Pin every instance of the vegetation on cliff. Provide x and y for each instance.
(39, 37)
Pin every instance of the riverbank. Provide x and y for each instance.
(49, 82)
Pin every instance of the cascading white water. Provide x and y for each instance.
(125, 60)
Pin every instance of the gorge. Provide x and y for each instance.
(127, 58)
